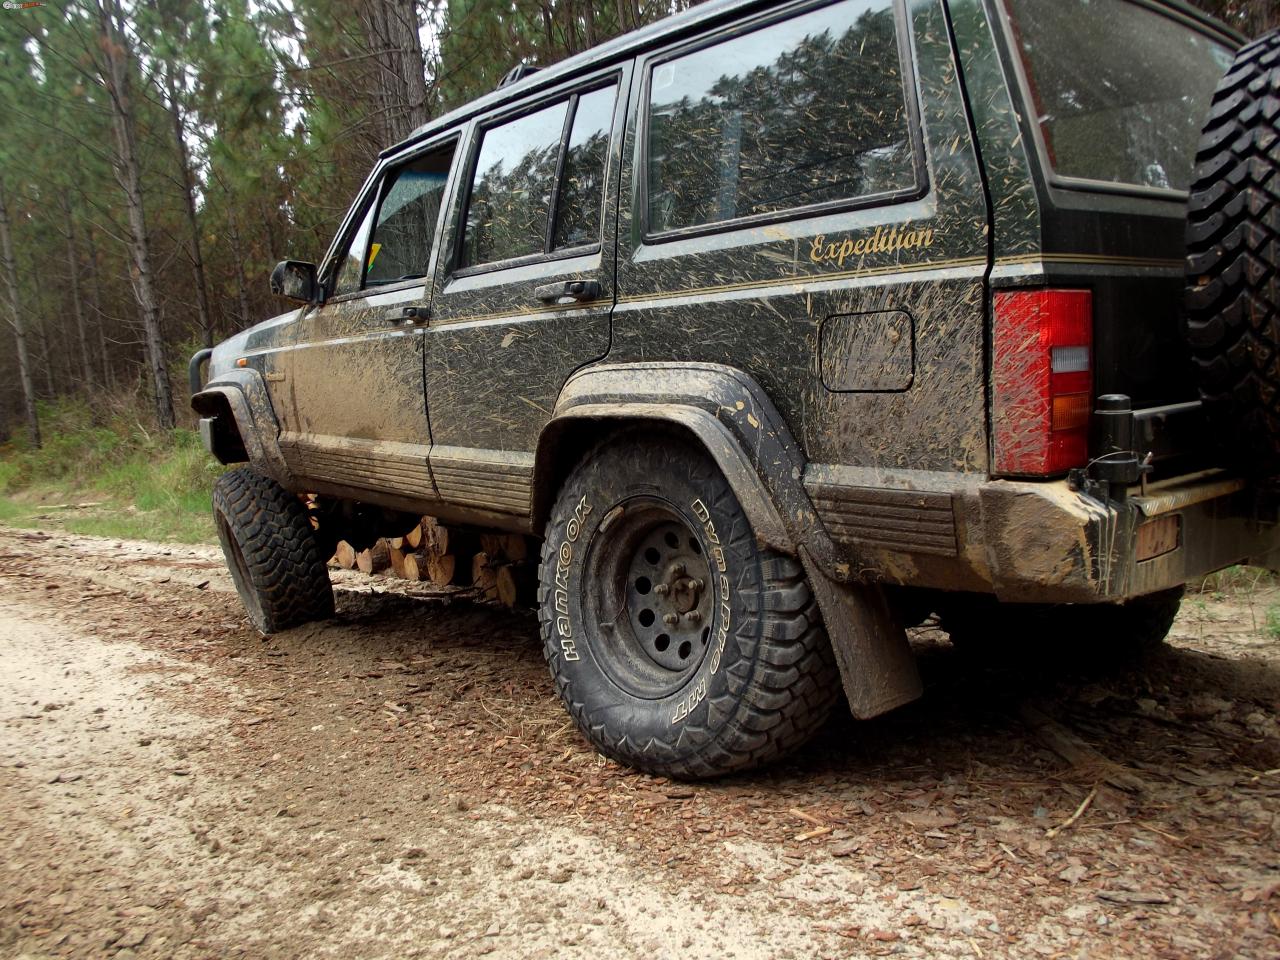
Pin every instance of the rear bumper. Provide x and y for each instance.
(1054, 544)
(1040, 542)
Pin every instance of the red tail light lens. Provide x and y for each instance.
(1042, 377)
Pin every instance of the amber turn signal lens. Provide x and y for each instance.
(242, 362)
(1158, 537)
(1070, 411)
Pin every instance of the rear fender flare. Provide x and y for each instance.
(729, 414)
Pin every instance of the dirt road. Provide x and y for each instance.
(402, 782)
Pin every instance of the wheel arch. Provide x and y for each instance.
(722, 409)
(728, 414)
(243, 421)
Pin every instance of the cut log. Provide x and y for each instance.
(507, 590)
(414, 537)
(515, 547)
(396, 557)
(345, 555)
(441, 569)
(483, 577)
(396, 543)
(413, 567)
(504, 547)
(435, 537)
(374, 560)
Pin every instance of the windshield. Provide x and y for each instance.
(1120, 90)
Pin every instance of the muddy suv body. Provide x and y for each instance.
(908, 274)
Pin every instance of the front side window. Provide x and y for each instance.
(1120, 91)
(535, 189)
(351, 272)
(395, 237)
(807, 111)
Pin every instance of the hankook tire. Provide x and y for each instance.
(679, 645)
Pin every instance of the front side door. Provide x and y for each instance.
(524, 295)
(355, 416)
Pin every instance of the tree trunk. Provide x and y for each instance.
(115, 80)
(77, 300)
(46, 365)
(18, 321)
(189, 202)
(95, 286)
(242, 292)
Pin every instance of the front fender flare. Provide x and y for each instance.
(246, 395)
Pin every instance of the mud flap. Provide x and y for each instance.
(877, 667)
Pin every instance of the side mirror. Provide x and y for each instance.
(295, 279)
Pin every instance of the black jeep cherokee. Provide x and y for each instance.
(783, 326)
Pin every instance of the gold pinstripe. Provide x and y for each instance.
(1084, 259)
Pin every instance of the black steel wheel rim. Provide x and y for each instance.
(650, 597)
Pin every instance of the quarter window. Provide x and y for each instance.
(533, 190)
(1120, 90)
(803, 112)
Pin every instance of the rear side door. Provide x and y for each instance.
(524, 294)
(355, 417)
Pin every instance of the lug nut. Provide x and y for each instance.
(699, 584)
(661, 589)
(693, 616)
(678, 569)
(670, 619)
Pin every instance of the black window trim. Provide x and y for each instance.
(372, 194)
(570, 94)
(1027, 106)
(910, 89)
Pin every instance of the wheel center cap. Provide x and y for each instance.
(685, 593)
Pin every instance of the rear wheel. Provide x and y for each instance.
(1102, 630)
(678, 644)
(1233, 259)
(272, 551)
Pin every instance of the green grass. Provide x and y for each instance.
(142, 484)
(1237, 580)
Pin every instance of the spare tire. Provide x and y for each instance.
(1233, 258)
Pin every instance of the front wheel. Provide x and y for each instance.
(678, 644)
(272, 551)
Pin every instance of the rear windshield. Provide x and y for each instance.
(1120, 89)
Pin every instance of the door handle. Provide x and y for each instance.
(577, 290)
(408, 313)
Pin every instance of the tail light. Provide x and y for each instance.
(1042, 374)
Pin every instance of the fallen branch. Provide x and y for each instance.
(1075, 751)
(1084, 805)
(797, 812)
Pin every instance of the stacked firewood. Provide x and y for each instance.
(498, 566)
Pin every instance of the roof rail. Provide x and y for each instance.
(516, 74)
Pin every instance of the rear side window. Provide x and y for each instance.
(1120, 91)
(538, 184)
(799, 113)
